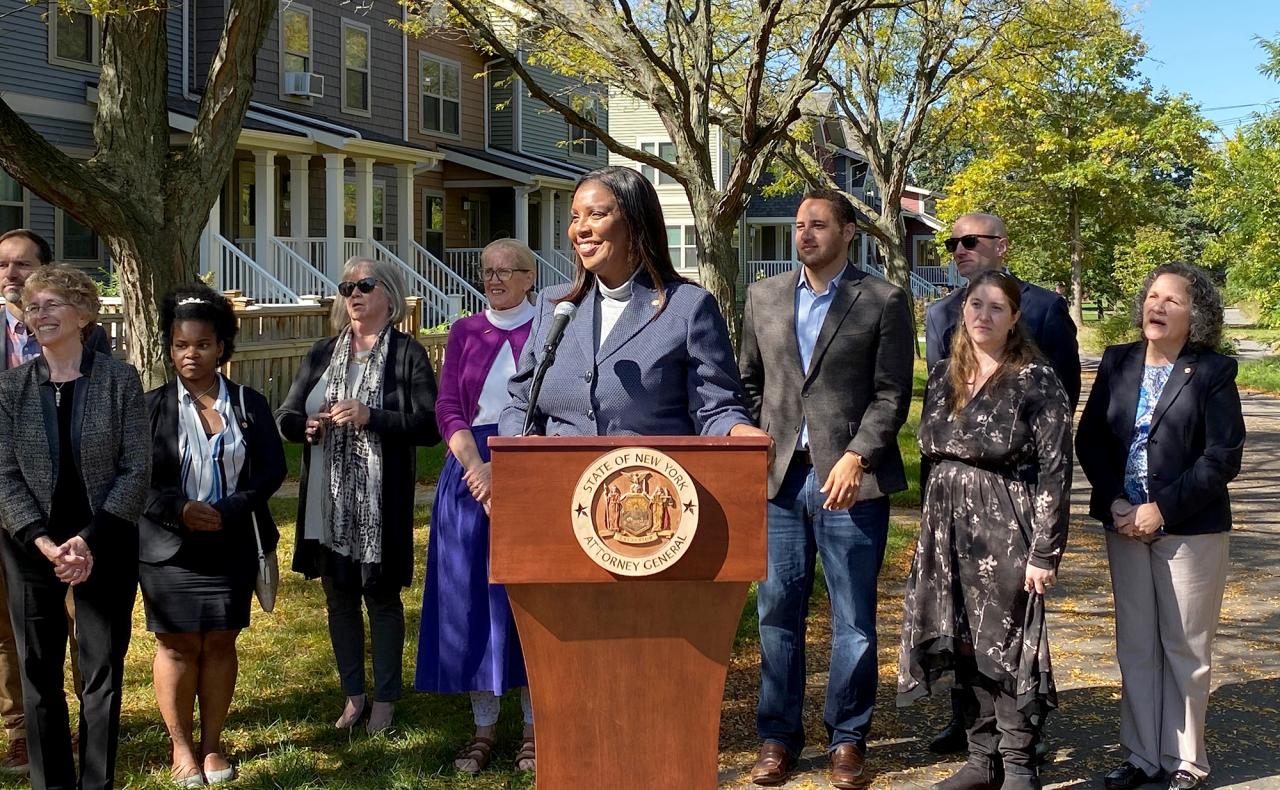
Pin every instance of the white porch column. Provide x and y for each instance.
(364, 202)
(547, 219)
(300, 196)
(334, 176)
(404, 212)
(264, 216)
(212, 250)
(565, 209)
(522, 213)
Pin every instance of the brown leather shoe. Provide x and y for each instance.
(773, 764)
(847, 766)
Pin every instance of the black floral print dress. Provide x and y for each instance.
(997, 497)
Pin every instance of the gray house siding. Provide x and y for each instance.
(502, 110)
(173, 34)
(386, 77)
(787, 205)
(208, 17)
(24, 58)
(544, 132)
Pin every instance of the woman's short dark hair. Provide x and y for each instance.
(642, 214)
(1205, 332)
(199, 302)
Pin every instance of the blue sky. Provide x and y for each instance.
(1206, 48)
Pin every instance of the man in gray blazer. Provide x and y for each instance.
(827, 367)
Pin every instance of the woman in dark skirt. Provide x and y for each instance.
(216, 461)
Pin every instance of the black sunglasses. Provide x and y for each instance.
(365, 284)
(969, 240)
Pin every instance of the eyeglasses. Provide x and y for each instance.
(47, 307)
(502, 275)
(365, 284)
(969, 240)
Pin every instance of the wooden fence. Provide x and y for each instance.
(273, 339)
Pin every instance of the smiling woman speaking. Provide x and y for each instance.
(1160, 438)
(74, 465)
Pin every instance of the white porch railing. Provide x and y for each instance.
(564, 263)
(920, 287)
(434, 271)
(549, 273)
(938, 275)
(758, 270)
(436, 307)
(233, 270)
(311, 250)
(302, 277)
(465, 261)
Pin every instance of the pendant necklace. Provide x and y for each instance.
(57, 392)
(197, 398)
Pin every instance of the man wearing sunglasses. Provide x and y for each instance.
(978, 243)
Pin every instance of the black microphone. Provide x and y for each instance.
(564, 311)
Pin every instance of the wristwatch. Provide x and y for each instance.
(862, 462)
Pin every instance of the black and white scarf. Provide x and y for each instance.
(354, 525)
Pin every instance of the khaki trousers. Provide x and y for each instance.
(1168, 595)
(11, 716)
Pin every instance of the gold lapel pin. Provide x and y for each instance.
(1186, 370)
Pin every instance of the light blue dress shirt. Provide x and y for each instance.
(811, 313)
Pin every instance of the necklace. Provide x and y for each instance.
(209, 389)
(57, 391)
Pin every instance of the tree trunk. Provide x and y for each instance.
(718, 262)
(889, 238)
(149, 266)
(1077, 262)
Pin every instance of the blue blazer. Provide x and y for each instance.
(1044, 316)
(668, 374)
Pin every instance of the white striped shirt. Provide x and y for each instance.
(210, 464)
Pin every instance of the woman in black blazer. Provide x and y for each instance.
(364, 401)
(74, 464)
(1160, 438)
(216, 461)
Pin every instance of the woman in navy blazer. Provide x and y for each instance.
(1161, 436)
(647, 352)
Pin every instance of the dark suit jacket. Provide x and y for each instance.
(857, 390)
(160, 530)
(109, 436)
(1194, 447)
(668, 374)
(1044, 316)
(406, 420)
(96, 341)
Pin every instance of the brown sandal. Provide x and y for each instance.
(478, 750)
(526, 757)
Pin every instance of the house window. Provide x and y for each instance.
(75, 240)
(926, 252)
(379, 229)
(665, 152)
(581, 141)
(433, 224)
(682, 243)
(441, 95)
(13, 204)
(355, 67)
(74, 33)
(295, 39)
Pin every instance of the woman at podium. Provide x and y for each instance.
(468, 641)
(645, 351)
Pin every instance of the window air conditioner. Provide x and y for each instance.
(303, 83)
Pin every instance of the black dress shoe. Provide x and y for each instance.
(951, 739)
(1185, 780)
(1126, 776)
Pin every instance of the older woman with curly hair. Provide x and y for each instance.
(1160, 438)
(74, 467)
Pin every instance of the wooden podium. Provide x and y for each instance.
(627, 673)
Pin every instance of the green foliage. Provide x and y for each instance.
(442, 328)
(108, 281)
(1072, 145)
(1149, 247)
(1116, 328)
(1262, 375)
(1240, 199)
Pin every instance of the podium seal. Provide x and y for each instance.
(635, 511)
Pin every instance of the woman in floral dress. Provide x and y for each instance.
(996, 429)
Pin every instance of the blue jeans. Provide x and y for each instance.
(851, 543)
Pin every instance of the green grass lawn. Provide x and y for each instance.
(1262, 375)
(430, 461)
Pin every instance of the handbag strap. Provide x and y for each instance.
(257, 534)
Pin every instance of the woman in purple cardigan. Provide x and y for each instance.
(468, 638)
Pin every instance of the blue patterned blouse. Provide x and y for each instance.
(1154, 377)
